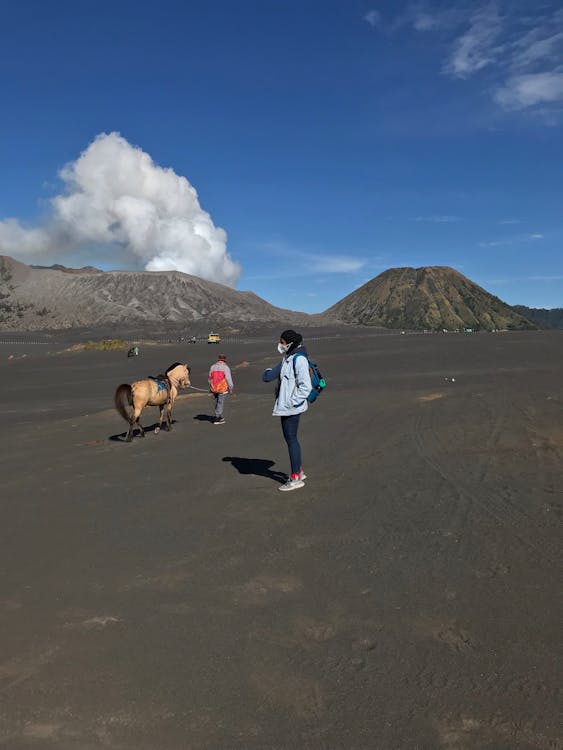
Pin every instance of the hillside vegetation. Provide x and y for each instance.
(542, 317)
(433, 297)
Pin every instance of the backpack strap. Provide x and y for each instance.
(298, 354)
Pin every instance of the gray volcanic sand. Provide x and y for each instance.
(163, 595)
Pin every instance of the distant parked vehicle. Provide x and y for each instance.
(133, 352)
(213, 338)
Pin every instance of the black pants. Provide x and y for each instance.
(290, 425)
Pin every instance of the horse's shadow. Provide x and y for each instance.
(204, 418)
(260, 467)
(120, 437)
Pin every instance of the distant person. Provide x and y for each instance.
(220, 384)
(294, 385)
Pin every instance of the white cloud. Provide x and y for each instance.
(115, 195)
(439, 219)
(475, 49)
(373, 17)
(522, 50)
(520, 92)
(535, 46)
(424, 18)
(519, 279)
(424, 21)
(334, 264)
(304, 262)
(495, 243)
(512, 240)
(492, 282)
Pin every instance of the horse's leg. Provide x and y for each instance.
(169, 414)
(157, 429)
(135, 421)
(129, 432)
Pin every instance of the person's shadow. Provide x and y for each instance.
(204, 418)
(260, 467)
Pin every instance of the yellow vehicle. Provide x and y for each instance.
(213, 338)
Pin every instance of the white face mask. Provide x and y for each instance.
(283, 349)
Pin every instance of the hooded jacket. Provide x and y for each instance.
(223, 367)
(294, 383)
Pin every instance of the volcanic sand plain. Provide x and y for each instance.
(163, 595)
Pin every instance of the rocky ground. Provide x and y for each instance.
(163, 595)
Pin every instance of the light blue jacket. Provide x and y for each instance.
(292, 391)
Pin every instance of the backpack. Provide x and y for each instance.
(218, 382)
(317, 380)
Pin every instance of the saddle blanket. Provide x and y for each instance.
(161, 385)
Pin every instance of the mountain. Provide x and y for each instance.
(434, 297)
(58, 267)
(46, 298)
(542, 317)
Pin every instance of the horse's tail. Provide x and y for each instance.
(123, 398)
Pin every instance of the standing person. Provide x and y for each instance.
(220, 384)
(294, 385)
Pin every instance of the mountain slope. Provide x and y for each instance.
(35, 298)
(542, 317)
(433, 297)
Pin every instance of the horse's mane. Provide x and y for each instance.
(176, 364)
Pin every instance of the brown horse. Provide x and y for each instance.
(160, 391)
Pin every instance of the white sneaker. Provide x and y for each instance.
(302, 476)
(291, 484)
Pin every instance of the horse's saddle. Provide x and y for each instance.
(162, 382)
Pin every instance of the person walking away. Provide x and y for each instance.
(294, 385)
(220, 384)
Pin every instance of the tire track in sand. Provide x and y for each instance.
(439, 455)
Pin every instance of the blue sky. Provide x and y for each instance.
(330, 140)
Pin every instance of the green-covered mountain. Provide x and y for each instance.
(542, 317)
(433, 297)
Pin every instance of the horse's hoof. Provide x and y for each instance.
(142, 434)
(128, 439)
(156, 430)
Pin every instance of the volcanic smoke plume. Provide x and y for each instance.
(115, 195)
